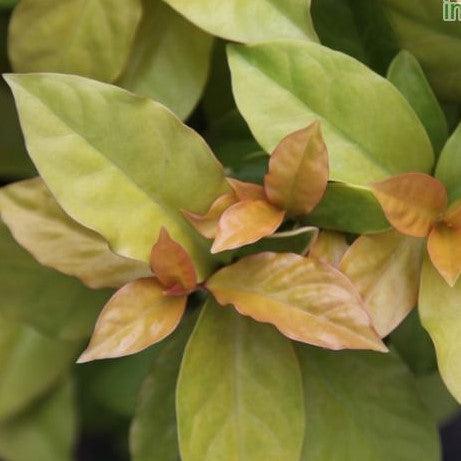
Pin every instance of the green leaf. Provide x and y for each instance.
(240, 385)
(436, 397)
(54, 304)
(414, 345)
(250, 22)
(92, 39)
(8, 3)
(146, 164)
(435, 43)
(55, 240)
(298, 241)
(153, 433)
(408, 76)
(348, 208)
(439, 312)
(170, 59)
(363, 406)
(449, 165)
(30, 364)
(45, 433)
(370, 130)
(357, 28)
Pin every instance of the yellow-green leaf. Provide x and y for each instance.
(127, 167)
(439, 312)
(298, 171)
(54, 239)
(250, 22)
(385, 269)
(88, 38)
(239, 393)
(169, 60)
(307, 300)
(246, 222)
(412, 202)
(283, 86)
(137, 316)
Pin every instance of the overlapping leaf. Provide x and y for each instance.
(329, 247)
(55, 240)
(172, 265)
(147, 166)
(137, 316)
(406, 74)
(385, 269)
(239, 393)
(255, 21)
(298, 171)
(412, 202)
(364, 406)
(307, 300)
(92, 39)
(170, 59)
(439, 311)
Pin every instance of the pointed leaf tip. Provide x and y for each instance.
(298, 171)
(246, 222)
(306, 299)
(412, 202)
(172, 265)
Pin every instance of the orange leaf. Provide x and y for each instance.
(412, 202)
(137, 316)
(247, 190)
(385, 269)
(453, 215)
(444, 248)
(329, 247)
(246, 222)
(172, 265)
(298, 171)
(306, 299)
(207, 224)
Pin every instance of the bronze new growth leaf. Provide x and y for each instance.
(146, 310)
(416, 205)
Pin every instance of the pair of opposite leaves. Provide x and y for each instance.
(416, 204)
(307, 299)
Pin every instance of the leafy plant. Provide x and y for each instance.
(262, 262)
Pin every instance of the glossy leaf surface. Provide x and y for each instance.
(439, 311)
(406, 74)
(92, 39)
(172, 265)
(169, 61)
(364, 406)
(246, 222)
(385, 269)
(137, 316)
(307, 300)
(46, 432)
(142, 186)
(54, 304)
(283, 86)
(239, 393)
(412, 202)
(251, 22)
(30, 364)
(298, 171)
(39, 224)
